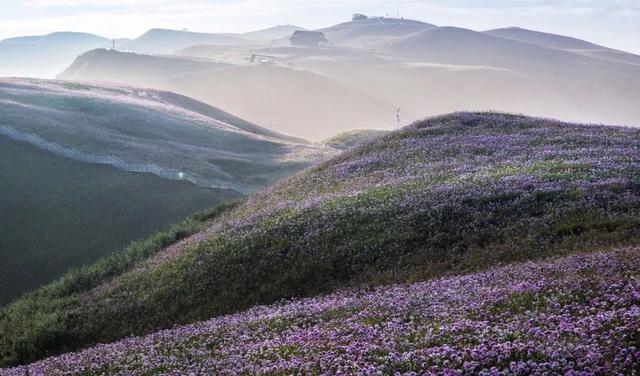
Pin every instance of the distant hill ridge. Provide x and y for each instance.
(46, 55)
(142, 126)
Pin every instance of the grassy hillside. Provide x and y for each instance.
(448, 195)
(148, 126)
(576, 315)
(58, 213)
(347, 140)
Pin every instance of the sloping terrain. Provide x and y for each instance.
(576, 315)
(47, 55)
(56, 213)
(447, 195)
(149, 126)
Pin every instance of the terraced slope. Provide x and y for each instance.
(576, 315)
(448, 195)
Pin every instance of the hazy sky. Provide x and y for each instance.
(614, 23)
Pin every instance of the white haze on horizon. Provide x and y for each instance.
(613, 23)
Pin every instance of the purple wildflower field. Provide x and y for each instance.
(578, 315)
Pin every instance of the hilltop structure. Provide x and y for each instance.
(308, 38)
(359, 17)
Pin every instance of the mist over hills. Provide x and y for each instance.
(373, 67)
(292, 101)
(371, 32)
(163, 41)
(47, 55)
(274, 33)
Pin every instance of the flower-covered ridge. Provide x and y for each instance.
(579, 315)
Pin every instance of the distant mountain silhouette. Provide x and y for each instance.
(46, 55)
(165, 41)
(276, 32)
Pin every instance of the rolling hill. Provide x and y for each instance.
(449, 195)
(79, 208)
(47, 55)
(149, 126)
(59, 214)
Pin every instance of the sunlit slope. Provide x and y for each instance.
(447, 195)
(148, 126)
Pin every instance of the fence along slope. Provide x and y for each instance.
(118, 163)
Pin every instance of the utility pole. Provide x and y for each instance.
(398, 117)
(113, 44)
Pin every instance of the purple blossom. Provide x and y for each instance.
(575, 316)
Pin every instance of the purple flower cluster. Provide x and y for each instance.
(466, 149)
(579, 315)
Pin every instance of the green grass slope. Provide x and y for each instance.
(346, 140)
(143, 126)
(448, 195)
(57, 213)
